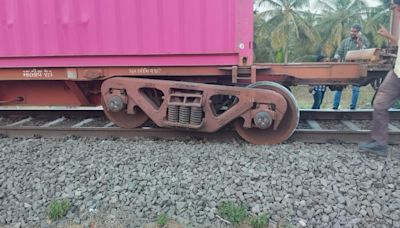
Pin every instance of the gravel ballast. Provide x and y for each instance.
(133, 181)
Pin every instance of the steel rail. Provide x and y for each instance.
(314, 114)
(338, 136)
(111, 132)
(301, 135)
(346, 114)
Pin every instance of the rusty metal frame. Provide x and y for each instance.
(246, 99)
(42, 93)
(286, 74)
(317, 71)
(77, 92)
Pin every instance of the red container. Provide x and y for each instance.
(49, 33)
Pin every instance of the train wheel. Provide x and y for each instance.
(285, 129)
(123, 119)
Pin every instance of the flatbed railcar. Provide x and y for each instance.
(183, 64)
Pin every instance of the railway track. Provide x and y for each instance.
(315, 126)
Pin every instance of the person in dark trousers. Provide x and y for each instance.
(388, 93)
(318, 93)
(356, 41)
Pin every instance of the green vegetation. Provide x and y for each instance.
(288, 21)
(232, 212)
(58, 209)
(162, 219)
(288, 225)
(259, 221)
(238, 216)
(302, 30)
(290, 30)
(305, 99)
(397, 104)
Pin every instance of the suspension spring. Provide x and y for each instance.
(196, 115)
(173, 113)
(184, 115)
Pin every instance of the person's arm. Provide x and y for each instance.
(359, 41)
(365, 42)
(339, 52)
(385, 33)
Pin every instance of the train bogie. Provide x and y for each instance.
(262, 116)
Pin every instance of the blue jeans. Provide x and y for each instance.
(354, 97)
(318, 97)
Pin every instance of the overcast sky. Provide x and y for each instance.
(373, 2)
(370, 2)
(312, 4)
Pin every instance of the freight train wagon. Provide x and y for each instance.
(184, 64)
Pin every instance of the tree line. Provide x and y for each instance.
(290, 31)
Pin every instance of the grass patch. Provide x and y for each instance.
(305, 100)
(288, 225)
(162, 219)
(397, 104)
(58, 209)
(259, 221)
(232, 212)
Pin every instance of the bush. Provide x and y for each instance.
(231, 212)
(58, 209)
(259, 221)
(162, 219)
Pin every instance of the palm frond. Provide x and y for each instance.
(290, 26)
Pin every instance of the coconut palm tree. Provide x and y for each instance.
(262, 40)
(377, 16)
(337, 17)
(301, 49)
(287, 22)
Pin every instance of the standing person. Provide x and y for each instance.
(318, 93)
(356, 41)
(388, 93)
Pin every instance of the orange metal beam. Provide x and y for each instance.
(319, 71)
